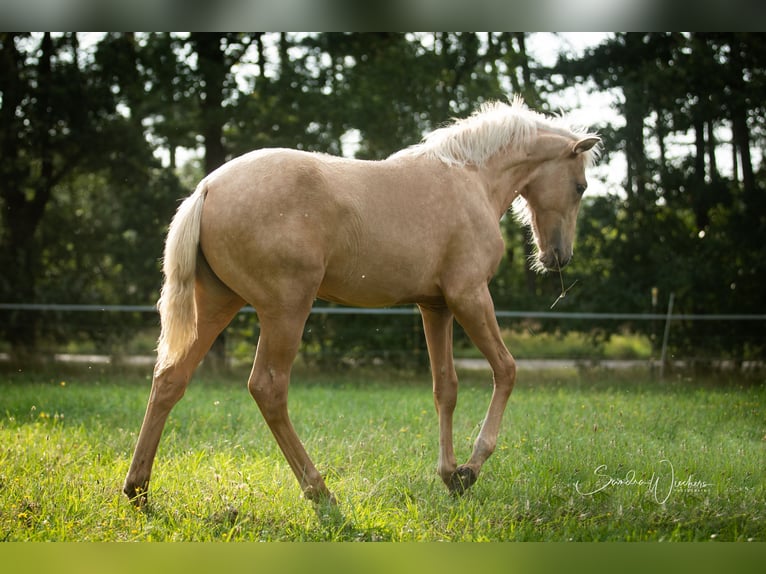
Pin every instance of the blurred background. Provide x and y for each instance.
(101, 135)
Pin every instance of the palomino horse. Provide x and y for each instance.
(279, 228)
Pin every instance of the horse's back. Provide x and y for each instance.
(360, 232)
(271, 189)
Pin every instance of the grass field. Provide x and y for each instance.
(582, 456)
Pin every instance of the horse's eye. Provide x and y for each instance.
(581, 187)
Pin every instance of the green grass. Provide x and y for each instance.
(66, 442)
(572, 345)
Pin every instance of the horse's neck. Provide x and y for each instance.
(505, 176)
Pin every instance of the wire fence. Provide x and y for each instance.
(336, 335)
(404, 310)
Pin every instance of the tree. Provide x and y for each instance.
(674, 228)
(55, 114)
(85, 198)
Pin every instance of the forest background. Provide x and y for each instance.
(102, 135)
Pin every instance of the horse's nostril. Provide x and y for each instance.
(561, 259)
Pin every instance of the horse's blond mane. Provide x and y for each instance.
(493, 126)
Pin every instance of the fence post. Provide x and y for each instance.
(653, 358)
(666, 335)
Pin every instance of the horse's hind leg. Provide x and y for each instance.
(437, 324)
(277, 347)
(216, 306)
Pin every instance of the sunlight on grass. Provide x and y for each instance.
(582, 456)
(532, 343)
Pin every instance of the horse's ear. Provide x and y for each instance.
(585, 144)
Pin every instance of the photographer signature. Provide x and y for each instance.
(660, 484)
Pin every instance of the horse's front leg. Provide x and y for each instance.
(437, 324)
(476, 313)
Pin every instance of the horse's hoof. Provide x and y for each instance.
(137, 495)
(461, 480)
(319, 496)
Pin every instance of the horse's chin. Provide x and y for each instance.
(551, 262)
(538, 266)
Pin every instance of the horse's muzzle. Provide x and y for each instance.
(555, 259)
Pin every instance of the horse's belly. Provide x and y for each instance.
(378, 284)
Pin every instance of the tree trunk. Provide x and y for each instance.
(662, 133)
(741, 139)
(699, 195)
(212, 71)
(528, 91)
(635, 92)
(739, 110)
(711, 145)
(25, 197)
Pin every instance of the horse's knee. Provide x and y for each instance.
(445, 400)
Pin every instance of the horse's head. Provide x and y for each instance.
(553, 192)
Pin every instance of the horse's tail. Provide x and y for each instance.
(178, 310)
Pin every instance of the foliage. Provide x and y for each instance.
(532, 341)
(219, 476)
(101, 135)
(684, 226)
